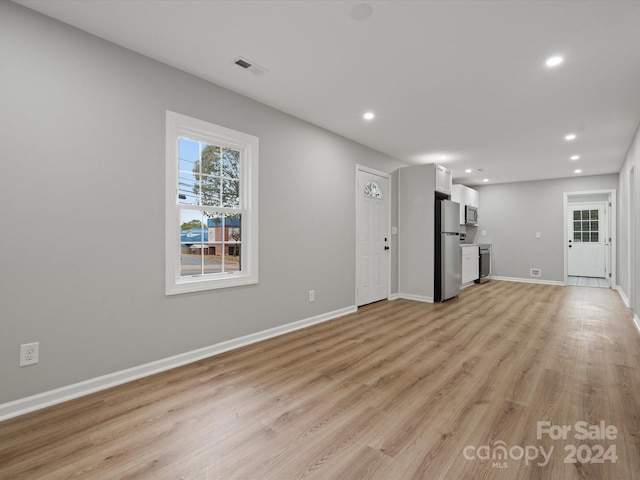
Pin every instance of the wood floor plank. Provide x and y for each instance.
(397, 390)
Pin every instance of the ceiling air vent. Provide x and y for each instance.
(242, 63)
(250, 66)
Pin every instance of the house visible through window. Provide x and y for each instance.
(211, 206)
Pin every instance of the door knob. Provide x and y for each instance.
(386, 247)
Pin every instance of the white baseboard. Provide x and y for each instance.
(468, 284)
(623, 296)
(393, 296)
(528, 280)
(417, 298)
(627, 303)
(69, 392)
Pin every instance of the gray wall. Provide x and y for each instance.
(82, 195)
(512, 213)
(416, 232)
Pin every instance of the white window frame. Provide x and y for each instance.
(178, 125)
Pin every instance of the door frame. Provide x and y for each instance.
(611, 256)
(632, 249)
(604, 227)
(387, 201)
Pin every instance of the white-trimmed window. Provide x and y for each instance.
(211, 206)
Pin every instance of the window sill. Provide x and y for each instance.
(199, 284)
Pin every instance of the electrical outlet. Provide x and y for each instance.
(29, 354)
(312, 295)
(535, 272)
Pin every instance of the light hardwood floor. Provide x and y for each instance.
(399, 390)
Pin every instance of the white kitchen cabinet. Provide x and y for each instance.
(464, 196)
(458, 195)
(470, 263)
(472, 197)
(443, 180)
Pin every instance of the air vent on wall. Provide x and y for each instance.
(250, 66)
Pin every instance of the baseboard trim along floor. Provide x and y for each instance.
(69, 392)
(416, 298)
(527, 280)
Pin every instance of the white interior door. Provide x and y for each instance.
(587, 237)
(372, 237)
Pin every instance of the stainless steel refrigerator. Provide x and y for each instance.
(448, 258)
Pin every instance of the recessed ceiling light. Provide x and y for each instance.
(468, 170)
(575, 157)
(554, 61)
(368, 116)
(443, 157)
(577, 171)
(569, 137)
(485, 180)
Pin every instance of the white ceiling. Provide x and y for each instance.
(463, 79)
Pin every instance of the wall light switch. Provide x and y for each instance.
(394, 230)
(483, 233)
(538, 235)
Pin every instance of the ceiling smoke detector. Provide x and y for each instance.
(361, 12)
(250, 66)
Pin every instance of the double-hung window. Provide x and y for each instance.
(211, 206)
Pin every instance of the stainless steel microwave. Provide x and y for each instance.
(470, 215)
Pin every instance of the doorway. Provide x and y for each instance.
(373, 240)
(633, 272)
(589, 238)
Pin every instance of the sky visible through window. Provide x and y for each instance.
(189, 154)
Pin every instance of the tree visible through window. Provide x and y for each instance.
(215, 203)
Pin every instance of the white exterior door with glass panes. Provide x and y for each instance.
(587, 240)
(372, 237)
